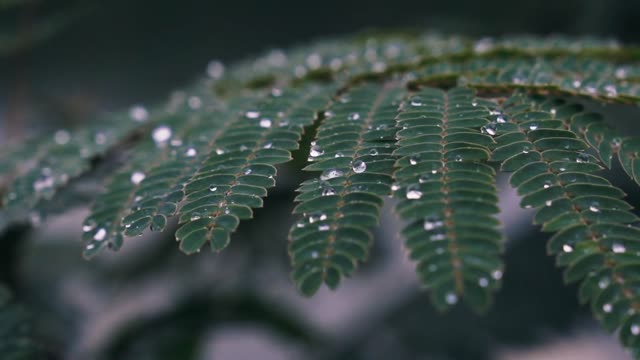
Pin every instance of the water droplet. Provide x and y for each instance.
(432, 222)
(413, 160)
(195, 216)
(594, 207)
(567, 248)
(267, 145)
(43, 183)
(359, 166)
(354, 116)
(607, 308)
(194, 102)
(547, 184)
(489, 129)
(213, 188)
(331, 173)
(474, 103)
(324, 227)
(90, 247)
(416, 101)
(215, 69)
(496, 274)
(161, 134)
(373, 152)
(438, 237)
(328, 191)
(338, 155)
(501, 119)
(611, 90)
(413, 192)
(533, 126)
(582, 158)
(88, 227)
(61, 137)
(175, 142)
(548, 202)
(395, 187)
(137, 177)
(635, 329)
(316, 151)
(618, 248)
(451, 298)
(248, 171)
(314, 255)
(483, 282)
(138, 113)
(100, 235)
(458, 158)
(191, 152)
(265, 123)
(100, 138)
(252, 114)
(616, 142)
(577, 83)
(424, 178)
(219, 151)
(603, 283)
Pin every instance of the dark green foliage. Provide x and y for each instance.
(424, 119)
(16, 342)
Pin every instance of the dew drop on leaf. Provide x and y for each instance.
(324, 227)
(635, 329)
(413, 192)
(215, 69)
(451, 298)
(483, 282)
(567, 248)
(137, 177)
(252, 114)
(100, 235)
(330, 174)
(316, 151)
(359, 166)
(354, 116)
(582, 158)
(328, 191)
(213, 188)
(161, 134)
(533, 126)
(607, 308)
(191, 152)
(61, 137)
(618, 248)
(416, 101)
(265, 123)
(138, 113)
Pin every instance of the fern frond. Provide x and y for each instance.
(233, 179)
(448, 196)
(352, 149)
(595, 238)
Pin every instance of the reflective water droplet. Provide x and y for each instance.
(533, 126)
(175, 142)
(161, 134)
(265, 123)
(191, 152)
(577, 83)
(603, 283)
(353, 116)
(137, 177)
(359, 166)
(496, 274)
(483, 282)
(324, 227)
(451, 298)
(489, 129)
(525, 149)
(267, 145)
(594, 207)
(219, 151)
(546, 184)
(248, 171)
(316, 151)
(413, 192)
(432, 222)
(548, 202)
(100, 235)
(314, 255)
(61, 137)
(635, 329)
(194, 102)
(416, 101)
(373, 152)
(90, 246)
(438, 237)
(582, 158)
(553, 112)
(100, 138)
(567, 248)
(42, 184)
(194, 217)
(607, 308)
(328, 191)
(328, 114)
(474, 103)
(215, 69)
(252, 114)
(138, 113)
(88, 227)
(611, 90)
(213, 188)
(395, 187)
(413, 160)
(618, 248)
(616, 142)
(458, 158)
(424, 178)
(331, 173)
(338, 155)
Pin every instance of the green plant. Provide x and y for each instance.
(423, 118)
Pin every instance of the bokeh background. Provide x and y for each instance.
(63, 63)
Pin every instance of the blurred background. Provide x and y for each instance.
(64, 62)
